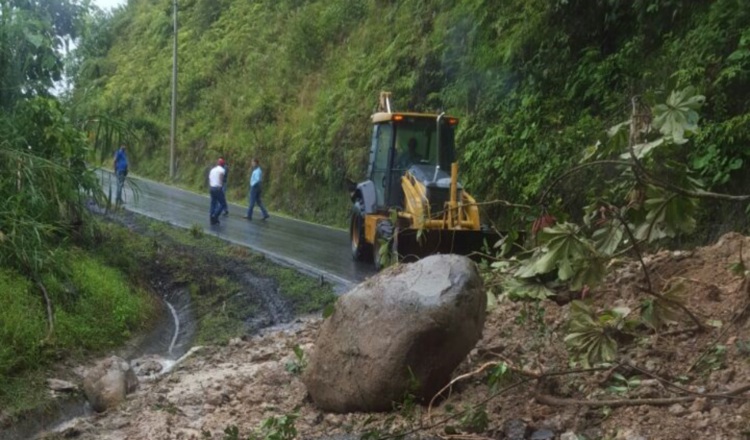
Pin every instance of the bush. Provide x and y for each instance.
(22, 323)
(101, 312)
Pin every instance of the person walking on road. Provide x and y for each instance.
(215, 183)
(120, 165)
(255, 190)
(224, 165)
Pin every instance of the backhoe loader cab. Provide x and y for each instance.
(412, 171)
(403, 142)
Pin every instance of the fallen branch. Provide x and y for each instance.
(453, 416)
(575, 169)
(547, 399)
(682, 306)
(48, 303)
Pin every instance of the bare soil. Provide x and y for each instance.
(247, 381)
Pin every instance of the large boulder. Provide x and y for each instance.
(107, 384)
(415, 321)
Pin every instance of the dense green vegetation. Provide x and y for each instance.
(56, 300)
(535, 83)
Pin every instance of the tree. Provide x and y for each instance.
(44, 181)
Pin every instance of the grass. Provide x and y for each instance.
(94, 309)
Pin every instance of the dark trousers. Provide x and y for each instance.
(217, 201)
(255, 191)
(120, 183)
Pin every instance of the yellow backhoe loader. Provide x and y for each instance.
(412, 201)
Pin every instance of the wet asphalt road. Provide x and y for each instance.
(311, 248)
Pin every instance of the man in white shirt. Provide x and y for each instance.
(215, 183)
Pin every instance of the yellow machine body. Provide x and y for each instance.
(410, 202)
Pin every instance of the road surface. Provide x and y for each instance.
(314, 249)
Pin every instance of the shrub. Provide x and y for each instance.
(22, 323)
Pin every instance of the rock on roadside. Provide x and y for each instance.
(403, 331)
(107, 384)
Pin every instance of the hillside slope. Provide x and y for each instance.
(294, 81)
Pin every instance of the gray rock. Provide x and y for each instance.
(403, 331)
(542, 434)
(147, 366)
(61, 385)
(107, 384)
(570, 435)
(677, 410)
(515, 429)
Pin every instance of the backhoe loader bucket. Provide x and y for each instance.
(412, 244)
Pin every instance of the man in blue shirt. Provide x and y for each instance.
(255, 189)
(120, 166)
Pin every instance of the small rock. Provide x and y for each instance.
(713, 293)
(148, 367)
(715, 413)
(629, 434)
(553, 424)
(702, 423)
(593, 433)
(725, 376)
(234, 342)
(107, 384)
(570, 435)
(543, 434)
(515, 429)
(699, 405)
(679, 255)
(61, 385)
(677, 410)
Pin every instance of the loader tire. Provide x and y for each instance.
(360, 247)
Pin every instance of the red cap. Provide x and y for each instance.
(221, 161)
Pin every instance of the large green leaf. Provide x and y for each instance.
(679, 114)
(517, 289)
(608, 238)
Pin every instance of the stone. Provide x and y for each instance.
(235, 342)
(570, 435)
(725, 376)
(107, 384)
(699, 405)
(715, 413)
(402, 331)
(677, 410)
(61, 385)
(542, 434)
(629, 434)
(147, 367)
(515, 429)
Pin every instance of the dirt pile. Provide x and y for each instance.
(686, 376)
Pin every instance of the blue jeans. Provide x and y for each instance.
(225, 206)
(217, 201)
(255, 198)
(120, 183)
